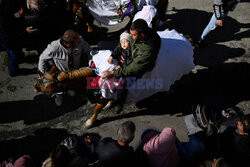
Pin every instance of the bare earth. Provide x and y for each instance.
(31, 123)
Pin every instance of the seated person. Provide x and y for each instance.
(160, 147)
(122, 52)
(234, 142)
(114, 153)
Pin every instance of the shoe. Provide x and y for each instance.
(58, 99)
(71, 93)
(118, 108)
(200, 43)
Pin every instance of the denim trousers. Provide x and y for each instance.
(211, 26)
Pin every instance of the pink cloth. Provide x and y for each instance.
(160, 148)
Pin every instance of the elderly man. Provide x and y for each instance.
(145, 46)
(113, 153)
(69, 52)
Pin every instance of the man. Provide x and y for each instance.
(145, 45)
(114, 153)
(234, 142)
(30, 24)
(69, 52)
(221, 9)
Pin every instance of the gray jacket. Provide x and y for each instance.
(61, 56)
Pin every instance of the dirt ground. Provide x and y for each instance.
(31, 123)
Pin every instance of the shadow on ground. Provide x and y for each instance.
(222, 86)
(37, 146)
(192, 22)
(215, 54)
(40, 109)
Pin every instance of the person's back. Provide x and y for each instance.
(160, 147)
(114, 153)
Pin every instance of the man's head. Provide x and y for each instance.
(125, 40)
(35, 5)
(139, 29)
(220, 162)
(126, 132)
(244, 125)
(68, 38)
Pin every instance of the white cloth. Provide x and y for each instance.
(105, 11)
(147, 13)
(174, 60)
(107, 87)
(101, 61)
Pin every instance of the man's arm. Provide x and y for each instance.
(44, 57)
(218, 11)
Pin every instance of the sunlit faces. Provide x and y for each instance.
(125, 44)
(134, 34)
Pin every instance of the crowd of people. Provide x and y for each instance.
(231, 148)
(41, 23)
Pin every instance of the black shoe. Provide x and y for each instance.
(200, 43)
(118, 108)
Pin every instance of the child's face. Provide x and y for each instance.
(125, 44)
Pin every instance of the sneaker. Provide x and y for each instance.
(200, 43)
(71, 93)
(118, 108)
(58, 99)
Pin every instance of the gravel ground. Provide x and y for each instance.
(31, 123)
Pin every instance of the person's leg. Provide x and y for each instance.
(121, 97)
(13, 62)
(211, 26)
(59, 98)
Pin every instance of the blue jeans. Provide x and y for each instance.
(211, 26)
(13, 64)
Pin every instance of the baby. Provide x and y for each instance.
(122, 52)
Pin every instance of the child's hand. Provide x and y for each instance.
(121, 59)
(110, 60)
(117, 67)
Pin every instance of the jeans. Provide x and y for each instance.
(12, 57)
(211, 26)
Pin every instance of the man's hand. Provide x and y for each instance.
(107, 74)
(219, 23)
(121, 59)
(117, 67)
(31, 30)
(110, 60)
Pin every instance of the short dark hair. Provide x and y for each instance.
(126, 132)
(223, 163)
(246, 124)
(141, 26)
(69, 36)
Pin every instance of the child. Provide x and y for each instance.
(122, 53)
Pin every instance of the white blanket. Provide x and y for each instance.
(174, 60)
(105, 11)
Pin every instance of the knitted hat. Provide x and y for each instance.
(124, 35)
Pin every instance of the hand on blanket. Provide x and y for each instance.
(107, 74)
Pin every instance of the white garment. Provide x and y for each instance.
(105, 11)
(60, 55)
(107, 87)
(147, 13)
